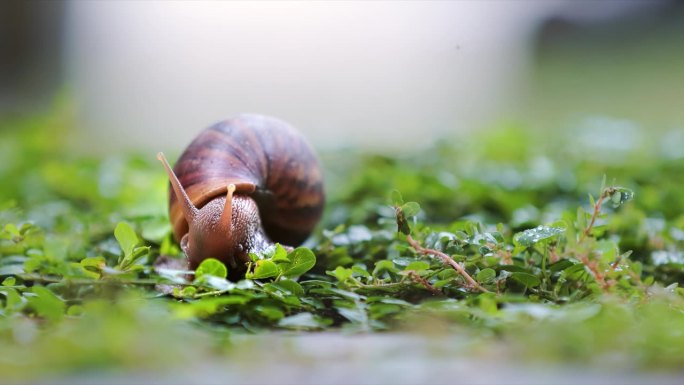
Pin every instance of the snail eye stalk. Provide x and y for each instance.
(227, 215)
(189, 210)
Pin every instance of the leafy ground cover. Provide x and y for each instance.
(563, 247)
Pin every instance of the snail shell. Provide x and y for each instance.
(272, 169)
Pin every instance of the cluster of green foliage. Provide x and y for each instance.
(499, 240)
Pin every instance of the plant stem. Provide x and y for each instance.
(447, 260)
(586, 258)
(417, 278)
(210, 293)
(379, 286)
(597, 210)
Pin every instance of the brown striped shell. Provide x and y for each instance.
(268, 161)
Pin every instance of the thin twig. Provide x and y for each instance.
(447, 260)
(593, 267)
(418, 279)
(212, 293)
(597, 210)
(589, 262)
(553, 257)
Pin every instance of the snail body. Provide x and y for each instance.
(241, 185)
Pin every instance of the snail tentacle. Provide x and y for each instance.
(189, 210)
(225, 223)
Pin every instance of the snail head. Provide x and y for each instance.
(215, 230)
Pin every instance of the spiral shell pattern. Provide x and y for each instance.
(266, 159)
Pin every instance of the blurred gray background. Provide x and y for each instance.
(384, 75)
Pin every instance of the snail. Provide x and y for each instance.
(241, 185)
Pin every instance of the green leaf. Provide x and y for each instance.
(46, 304)
(540, 233)
(14, 269)
(12, 230)
(347, 294)
(208, 306)
(126, 237)
(560, 265)
(342, 274)
(359, 271)
(380, 310)
(272, 313)
(384, 266)
(139, 252)
(264, 268)
(188, 291)
(211, 266)
(301, 260)
(514, 268)
(300, 321)
(410, 209)
(487, 303)
(620, 195)
(9, 281)
(280, 254)
(417, 266)
(486, 275)
(75, 310)
(354, 314)
(13, 302)
(526, 279)
(290, 286)
(98, 263)
(574, 272)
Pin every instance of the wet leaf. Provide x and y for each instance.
(264, 268)
(211, 266)
(540, 233)
(620, 195)
(301, 260)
